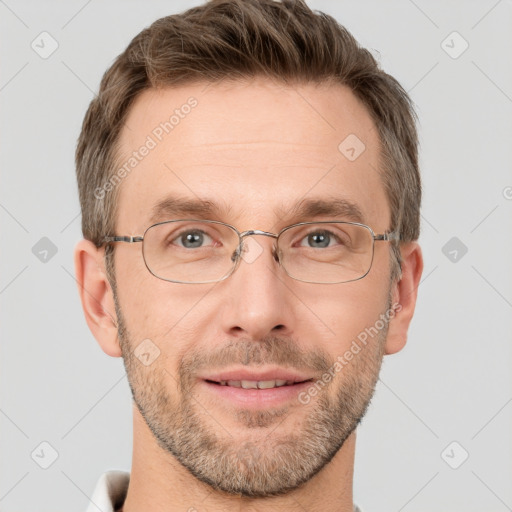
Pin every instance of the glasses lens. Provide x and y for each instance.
(189, 251)
(330, 252)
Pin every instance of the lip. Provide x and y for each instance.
(256, 398)
(268, 374)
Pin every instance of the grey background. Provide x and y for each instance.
(452, 382)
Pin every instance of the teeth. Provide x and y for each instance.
(253, 384)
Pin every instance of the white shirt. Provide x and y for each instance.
(110, 492)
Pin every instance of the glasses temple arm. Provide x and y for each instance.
(393, 236)
(128, 239)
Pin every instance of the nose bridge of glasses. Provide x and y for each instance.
(252, 232)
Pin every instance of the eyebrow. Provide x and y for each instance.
(178, 207)
(336, 207)
(172, 207)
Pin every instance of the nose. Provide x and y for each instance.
(258, 298)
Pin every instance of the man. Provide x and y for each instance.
(250, 199)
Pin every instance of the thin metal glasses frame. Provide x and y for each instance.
(392, 236)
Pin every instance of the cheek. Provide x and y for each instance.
(165, 312)
(347, 310)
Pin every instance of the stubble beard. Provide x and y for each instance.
(268, 461)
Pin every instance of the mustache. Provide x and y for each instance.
(271, 350)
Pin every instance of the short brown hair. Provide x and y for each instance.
(240, 39)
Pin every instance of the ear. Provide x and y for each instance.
(404, 293)
(96, 296)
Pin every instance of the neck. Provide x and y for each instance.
(161, 484)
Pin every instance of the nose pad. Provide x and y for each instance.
(276, 254)
(236, 254)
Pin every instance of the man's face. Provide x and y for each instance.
(255, 151)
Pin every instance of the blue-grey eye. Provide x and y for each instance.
(192, 239)
(318, 239)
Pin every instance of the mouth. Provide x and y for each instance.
(257, 384)
(256, 390)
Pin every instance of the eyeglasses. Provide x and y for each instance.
(207, 251)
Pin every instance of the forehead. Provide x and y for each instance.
(252, 150)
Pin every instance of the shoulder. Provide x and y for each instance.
(110, 491)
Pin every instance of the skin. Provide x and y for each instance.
(253, 147)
